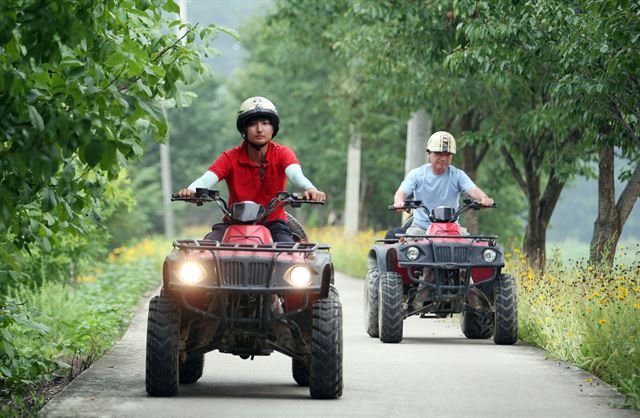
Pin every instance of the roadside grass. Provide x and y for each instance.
(586, 315)
(348, 255)
(62, 328)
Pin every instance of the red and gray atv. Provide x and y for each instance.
(246, 296)
(437, 274)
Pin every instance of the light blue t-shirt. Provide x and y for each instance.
(435, 190)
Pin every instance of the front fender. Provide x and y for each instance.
(381, 257)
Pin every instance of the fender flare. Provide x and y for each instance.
(381, 257)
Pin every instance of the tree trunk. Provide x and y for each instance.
(608, 226)
(472, 156)
(540, 206)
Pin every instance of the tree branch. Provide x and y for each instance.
(629, 196)
(154, 59)
(550, 196)
(481, 154)
(514, 168)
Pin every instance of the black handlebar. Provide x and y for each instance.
(282, 198)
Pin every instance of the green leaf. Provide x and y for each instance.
(35, 118)
(93, 152)
(108, 156)
(171, 7)
(49, 201)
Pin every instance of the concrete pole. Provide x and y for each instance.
(165, 159)
(352, 195)
(418, 131)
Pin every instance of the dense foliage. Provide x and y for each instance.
(83, 83)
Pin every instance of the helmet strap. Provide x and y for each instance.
(256, 147)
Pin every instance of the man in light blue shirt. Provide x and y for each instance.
(437, 183)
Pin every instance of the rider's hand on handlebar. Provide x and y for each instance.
(314, 194)
(486, 201)
(400, 206)
(186, 193)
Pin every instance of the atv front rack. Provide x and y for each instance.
(491, 239)
(298, 247)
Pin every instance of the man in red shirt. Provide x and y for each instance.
(257, 169)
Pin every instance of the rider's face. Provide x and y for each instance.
(440, 161)
(259, 131)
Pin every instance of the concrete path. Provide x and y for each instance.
(434, 372)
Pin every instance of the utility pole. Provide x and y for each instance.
(418, 129)
(165, 159)
(352, 195)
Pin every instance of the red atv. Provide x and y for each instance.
(246, 296)
(439, 274)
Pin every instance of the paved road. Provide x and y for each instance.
(434, 372)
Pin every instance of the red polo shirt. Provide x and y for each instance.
(243, 175)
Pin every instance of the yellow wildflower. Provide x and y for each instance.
(636, 305)
(602, 321)
(589, 309)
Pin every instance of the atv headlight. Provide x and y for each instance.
(413, 253)
(191, 272)
(299, 276)
(489, 255)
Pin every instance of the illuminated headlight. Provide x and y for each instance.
(413, 253)
(299, 276)
(489, 255)
(191, 272)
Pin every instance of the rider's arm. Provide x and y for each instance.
(206, 181)
(295, 176)
(399, 198)
(477, 194)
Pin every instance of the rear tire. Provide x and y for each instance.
(325, 377)
(476, 324)
(163, 328)
(191, 370)
(371, 284)
(296, 229)
(505, 331)
(390, 308)
(300, 372)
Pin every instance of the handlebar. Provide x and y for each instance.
(467, 204)
(281, 199)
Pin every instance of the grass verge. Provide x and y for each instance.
(54, 332)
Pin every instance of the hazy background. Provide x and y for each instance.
(572, 221)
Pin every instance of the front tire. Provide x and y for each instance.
(163, 327)
(300, 372)
(476, 324)
(390, 308)
(371, 284)
(505, 331)
(325, 375)
(191, 370)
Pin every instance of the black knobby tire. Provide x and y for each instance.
(371, 284)
(390, 308)
(325, 374)
(505, 330)
(163, 327)
(333, 293)
(300, 372)
(476, 324)
(296, 229)
(191, 370)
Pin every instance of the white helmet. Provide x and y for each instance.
(257, 106)
(441, 141)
